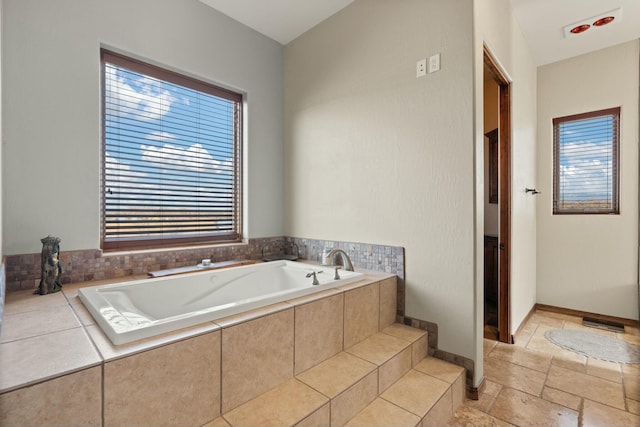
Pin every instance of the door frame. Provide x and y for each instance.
(504, 197)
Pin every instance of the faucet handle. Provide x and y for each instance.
(336, 276)
(315, 279)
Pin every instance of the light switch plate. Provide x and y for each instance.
(434, 63)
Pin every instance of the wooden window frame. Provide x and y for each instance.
(615, 167)
(175, 240)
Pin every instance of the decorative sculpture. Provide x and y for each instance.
(51, 269)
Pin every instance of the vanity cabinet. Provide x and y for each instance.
(491, 269)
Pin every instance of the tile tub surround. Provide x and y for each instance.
(388, 259)
(32, 359)
(23, 270)
(73, 399)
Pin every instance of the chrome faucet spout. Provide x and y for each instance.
(346, 261)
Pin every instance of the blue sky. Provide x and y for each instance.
(153, 125)
(586, 159)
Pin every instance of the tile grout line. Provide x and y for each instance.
(81, 326)
(581, 413)
(580, 404)
(102, 392)
(404, 409)
(566, 392)
(624, 392)
(220, 376)
(496, 399)
(544, 385)
(546, 375)
(293, 352)
(519, 364)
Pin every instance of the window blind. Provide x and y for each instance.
(171, 157)
(586, 152)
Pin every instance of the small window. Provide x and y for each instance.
(585, 164)
(171, 158)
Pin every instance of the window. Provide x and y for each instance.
(171, 157)
(585, 164)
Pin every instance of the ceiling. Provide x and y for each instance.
(281, 20)
(541, 21)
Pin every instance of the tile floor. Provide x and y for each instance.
(536, 383)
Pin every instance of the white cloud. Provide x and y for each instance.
(131, 180)
(119, 170)
(157, 193)
(149, 102)
(160, 136)
(195, 158)
(586, 177)
(115, 165)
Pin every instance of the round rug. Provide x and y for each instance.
(598, 346)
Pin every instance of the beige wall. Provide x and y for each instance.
(497, 28)
(51, 95)
(374, 154)
(1, 132)
(589, 262)
(2, 268)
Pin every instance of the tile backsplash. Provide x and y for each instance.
(23, 271)
(389, 259)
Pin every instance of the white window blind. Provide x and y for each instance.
(171, 157)
(586, 152)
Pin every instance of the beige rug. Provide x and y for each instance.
(598, 346)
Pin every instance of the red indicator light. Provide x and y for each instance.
(603, 21)
(580, 28)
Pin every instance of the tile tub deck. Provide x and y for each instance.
(51, 351)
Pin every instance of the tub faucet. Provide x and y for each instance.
(346, 261)
(316, 282)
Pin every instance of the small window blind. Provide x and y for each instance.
(171, 157)
(586, 153)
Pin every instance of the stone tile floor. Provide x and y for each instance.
(536, 383)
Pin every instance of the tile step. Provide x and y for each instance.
(384, 378)
(427, 395)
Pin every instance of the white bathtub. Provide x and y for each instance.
(140, 309)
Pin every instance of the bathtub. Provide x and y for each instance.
(140, 309)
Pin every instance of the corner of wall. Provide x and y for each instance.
(2, 259)
(2, 291)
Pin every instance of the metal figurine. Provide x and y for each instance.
(51, 269)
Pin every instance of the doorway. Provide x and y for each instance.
(497, 201)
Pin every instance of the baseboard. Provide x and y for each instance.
(579, 313)
(474, 393)
(430, 327)
(434, 351)
(465, 362)
(524, 322)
